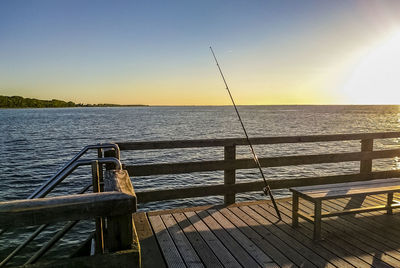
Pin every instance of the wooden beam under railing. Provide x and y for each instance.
(222, 189)
(204, 166)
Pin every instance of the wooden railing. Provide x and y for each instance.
(116, 207)
(230, 164)
(112, 206)
(65, 208)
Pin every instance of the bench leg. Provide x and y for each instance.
(389, 203)
(295, 210)
(317, 220)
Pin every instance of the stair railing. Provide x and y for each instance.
(55, 180)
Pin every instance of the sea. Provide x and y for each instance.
(35, 143)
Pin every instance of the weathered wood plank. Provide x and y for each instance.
(308, 254)
(149, 250)
(307, 229)
(390, 224)
(237, 251)
(359, 248)
(199, 191)
(382, 228)
(369, 239)
(343, 192)
(246, 243)
(229, 174)
(362, 241)
(181, 242)
(212, 207)
(264, 231)
(171, 253)
(356, 184)
(343, 242)
(203, 166)
(65, 208)
(254, 141)
(121, 233)
(203, 250)
(119, 181)
(218, 248)
(265, 244)
(299, 236)
(367, 145)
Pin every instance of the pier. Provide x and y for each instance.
(250, 235)
(230, 234)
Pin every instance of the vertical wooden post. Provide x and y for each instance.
(317, 220)
(121, 232)
(295, 210)
(229, 174)
(101, 173)
(389, 203)
(366, 165)
(99, 235)
(109, 153)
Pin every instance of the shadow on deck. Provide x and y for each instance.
(250, 235)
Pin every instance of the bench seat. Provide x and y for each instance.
(317, 193)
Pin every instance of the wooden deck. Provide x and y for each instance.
(250, 235)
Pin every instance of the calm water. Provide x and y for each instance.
(35, 143)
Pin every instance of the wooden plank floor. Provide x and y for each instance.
(250, 235)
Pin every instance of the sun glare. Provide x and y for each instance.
(376, 78)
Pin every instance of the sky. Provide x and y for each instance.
(157, 52)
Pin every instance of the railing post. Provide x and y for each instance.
(101, 173)
(99, 235)
(367, 145)
(110, 153)
(229, 174)
(121, 231)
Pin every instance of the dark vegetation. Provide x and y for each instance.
(20, 102)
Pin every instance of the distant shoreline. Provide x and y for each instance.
(18, 102)
(91, 106)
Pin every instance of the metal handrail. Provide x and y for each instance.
(35, 194)
(44, 191)
(33, 235)
(51, 183)
(57, 180)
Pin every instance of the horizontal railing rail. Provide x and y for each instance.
(65, 208)
(173, 144)
(33, 235)
(230, 164)
(204, 166)
(244, 187)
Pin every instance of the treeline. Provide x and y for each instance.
(21, 102)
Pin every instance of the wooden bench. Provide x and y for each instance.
(316, 194)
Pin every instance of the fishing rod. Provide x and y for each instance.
(266, 189)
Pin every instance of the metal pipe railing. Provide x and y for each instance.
(71, 162)
(57, 180)
(51, 183)
(34, 234)
(52, 241)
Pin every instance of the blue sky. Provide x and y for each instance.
(156, 52)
